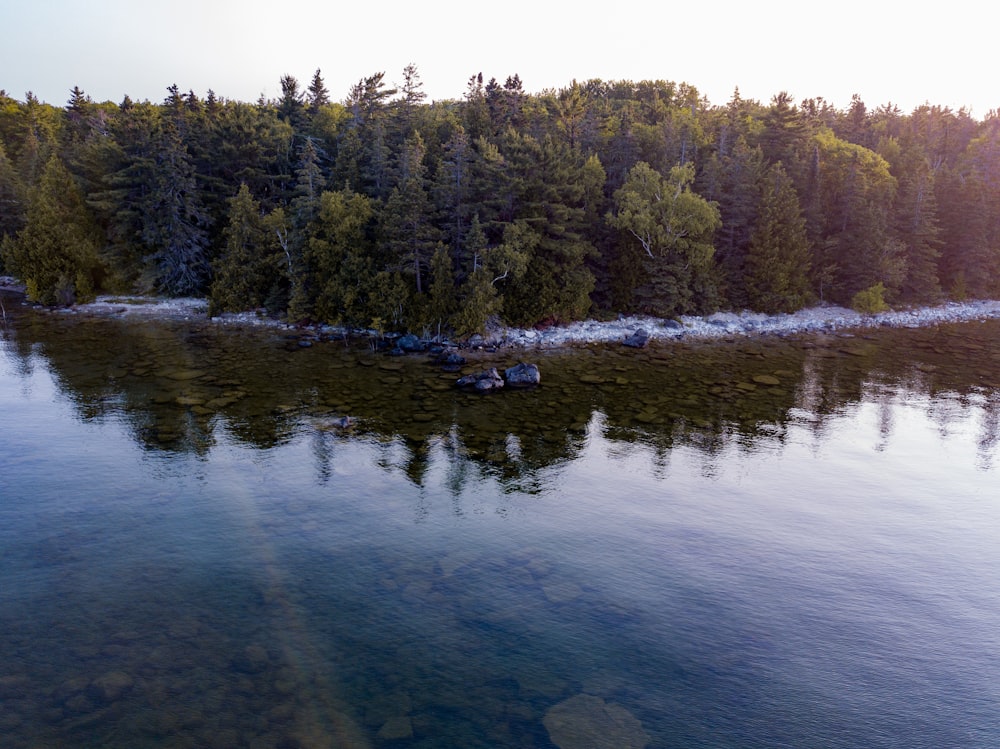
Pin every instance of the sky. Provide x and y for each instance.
(884, 51)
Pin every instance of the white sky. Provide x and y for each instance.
(904, 53)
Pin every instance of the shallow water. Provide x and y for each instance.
(750, 543)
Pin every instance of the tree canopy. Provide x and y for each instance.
(385, 210)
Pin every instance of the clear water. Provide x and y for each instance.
(773, 543)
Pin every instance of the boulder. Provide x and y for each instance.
(588, 722)
(638, 339)
(522, 375)
(448, 361)
(410, 342)
(488, 379)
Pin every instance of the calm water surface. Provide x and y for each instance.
(771, 543)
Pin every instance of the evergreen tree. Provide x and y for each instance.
(409, 233)
(548, 194)
(736, 172)
(12, 203)
(338, 259)
(291, 106)
(853, 247)
(914, 218)
(441, 303)
(778, 255)
(56, 253)
(245, 271)
(317, 95)
(174, 222)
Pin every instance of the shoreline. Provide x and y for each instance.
(719, 325)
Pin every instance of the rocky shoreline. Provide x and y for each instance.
(638, 329)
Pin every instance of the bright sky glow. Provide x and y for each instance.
(904, 53)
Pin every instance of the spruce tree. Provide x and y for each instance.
(777, 263)
(56, 253)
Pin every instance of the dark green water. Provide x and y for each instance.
(753, 543)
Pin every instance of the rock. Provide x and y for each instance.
(110, 687)
(588, 722)
(488, 379)
(449, 362)
(409, 343)
(638, 339)
(522, 375)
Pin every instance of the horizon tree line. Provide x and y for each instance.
(388, 212)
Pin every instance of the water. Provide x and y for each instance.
(772, 543)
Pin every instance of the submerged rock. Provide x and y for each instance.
(588, 722)
(488, 379)
(522, 375)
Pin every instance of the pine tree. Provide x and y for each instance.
(174, 221)
(548, 194)
(56, 253)
(409, 233)
(777, 262)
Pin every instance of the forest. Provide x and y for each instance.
(389, 212)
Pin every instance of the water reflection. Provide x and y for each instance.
(178, 384)
(443, 569)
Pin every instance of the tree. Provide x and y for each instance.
(317, 95)
(174, 222)
(734, 179)
(291, 106)
(914, 220)
(409, 234)
(673, 228)
(480, 298)
(337, 259)
(854, 191)
(245, 271)
(548, 193)
(778, 255)
(12, 207)
(412, 97)
(56, 253)
(441, 296)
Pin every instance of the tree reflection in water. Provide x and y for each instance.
(178, 385)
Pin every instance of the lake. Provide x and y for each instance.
(771, 542)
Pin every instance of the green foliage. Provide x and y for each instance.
(245, 271)
(441, 304)
(870, 301)
(673, 227)
(12, 203)
(777, 264)
(338, 271)
(529, 208)
(56, 253)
